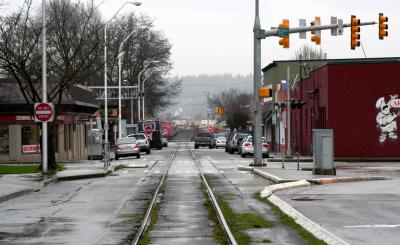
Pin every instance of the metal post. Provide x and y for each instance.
(44, 88)
(139, 95)
(257, 157)
(105, 87)
(119, 93)
(143, 89)
(289, 149)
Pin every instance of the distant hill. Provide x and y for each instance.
(192, 102)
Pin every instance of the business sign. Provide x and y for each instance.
(31, 149)
(43, 112)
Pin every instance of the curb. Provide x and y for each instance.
(269, 190)
(266, 175)
(15, 195)
(323, 181)
(309, 225)
(84, 176)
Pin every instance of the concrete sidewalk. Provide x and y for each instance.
(290, 175)
(15, 185)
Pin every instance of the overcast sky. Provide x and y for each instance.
(215, 36)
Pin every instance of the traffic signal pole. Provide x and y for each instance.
(257, 129)
(260, 34)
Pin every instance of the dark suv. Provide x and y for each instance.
(234, 141)
(203, 139)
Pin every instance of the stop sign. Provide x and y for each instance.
(148, 130)
(43, 112)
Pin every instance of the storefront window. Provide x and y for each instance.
(4, 145)
(30, 139)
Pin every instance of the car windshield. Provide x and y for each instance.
(241, 136)
(203, 135)
(126, 141)
(249, 139)
(221, 138)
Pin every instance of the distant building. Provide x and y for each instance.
(358, 99)
(20, 135)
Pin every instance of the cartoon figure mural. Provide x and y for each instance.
(386, 118)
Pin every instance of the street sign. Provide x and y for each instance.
(43, 112)
(283, 32)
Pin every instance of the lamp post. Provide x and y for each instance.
(44, 88)
(105, 69)
(120, 54)
(143, 90)
(140, 73)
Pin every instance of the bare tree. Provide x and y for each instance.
(73, 37)
(236, 106)
(306, 52)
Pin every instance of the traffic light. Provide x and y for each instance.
(265, 92)
(218, 110)
(283, 32)
(316, 35)
(355, 32)
(297, 104)
(383, 26)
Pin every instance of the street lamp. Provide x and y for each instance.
(44, 88)
(143, 90)
(105, 69)
(120, 54)
(140, 73)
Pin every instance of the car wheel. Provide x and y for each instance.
(148, 151)
(138, 156)
(116, 157)
(243, 155)
(231, 151)
(265, 155)
(196, 147)
(210, 147)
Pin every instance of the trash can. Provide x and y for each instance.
(323, 155)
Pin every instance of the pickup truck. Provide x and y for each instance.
(203, 139)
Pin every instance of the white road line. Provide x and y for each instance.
(372, 226)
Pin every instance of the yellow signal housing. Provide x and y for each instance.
(316, 35)
(265, 92)
(284, 41)
(355, 32)
(383, 26)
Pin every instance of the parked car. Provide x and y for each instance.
(216, 136)
(203, 139)
(127, 147)
(220, 142)
(143, 141)
(233, 144)
(247, 148)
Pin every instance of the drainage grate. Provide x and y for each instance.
(309, 199)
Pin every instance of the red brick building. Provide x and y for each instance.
(357, 99)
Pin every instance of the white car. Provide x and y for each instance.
(220, 141)
(247, 148)
(143, 142)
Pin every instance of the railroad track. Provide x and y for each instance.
(210, 193)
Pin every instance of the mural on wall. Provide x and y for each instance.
(386, 118)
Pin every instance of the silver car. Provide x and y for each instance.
(144, 143)
(247, 148)
(127, 147)
(220, 141)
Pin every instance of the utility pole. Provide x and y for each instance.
(288, 118)
(44, 88)
(257, 130)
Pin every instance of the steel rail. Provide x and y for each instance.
(220, 215)
(153, 201)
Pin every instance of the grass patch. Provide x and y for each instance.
(145, 239)
(19, 169)
(218, 232)
(289, 222)
(239, 222)
(119, 167)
